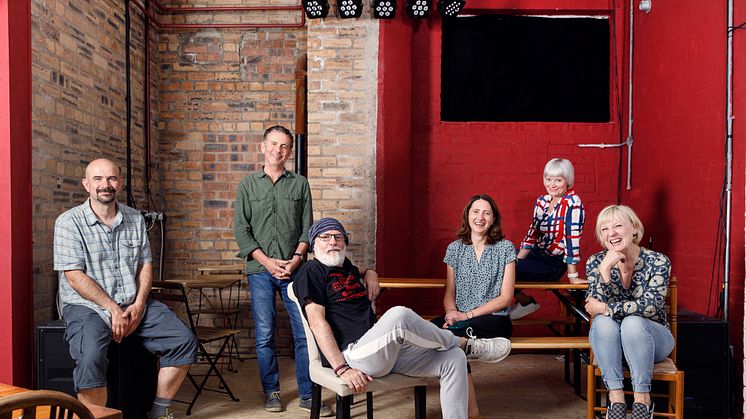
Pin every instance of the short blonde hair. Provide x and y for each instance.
(561, 167)
(621, 212)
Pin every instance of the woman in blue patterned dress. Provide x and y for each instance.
(480, 279)
(627, 288)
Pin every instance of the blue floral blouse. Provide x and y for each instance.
(478, 282)
(646, 295)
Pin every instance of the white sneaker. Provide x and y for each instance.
(487, 350)
(519, 310)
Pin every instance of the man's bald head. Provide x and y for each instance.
(99, 163)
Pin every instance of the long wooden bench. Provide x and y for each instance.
(550, 342)
(572, 344)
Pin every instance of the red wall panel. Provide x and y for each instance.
(679, 152)
(450, 162)
(677, 157)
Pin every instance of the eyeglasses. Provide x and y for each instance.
(327, 237)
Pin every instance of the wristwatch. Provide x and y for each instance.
(607, 311)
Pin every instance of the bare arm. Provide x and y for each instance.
(449, 298)
(371, 284)
(92, 291)
(322, 332)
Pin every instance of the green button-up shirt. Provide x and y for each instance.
(273, 217)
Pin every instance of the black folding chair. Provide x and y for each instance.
(174, 294)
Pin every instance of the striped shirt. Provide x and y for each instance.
(557, 232)
(110, 257)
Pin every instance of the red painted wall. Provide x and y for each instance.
(677, 157)
(449, 162)
(16, 308)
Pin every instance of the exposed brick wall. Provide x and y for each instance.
(342, 117)
(78, 56)
(219, 90)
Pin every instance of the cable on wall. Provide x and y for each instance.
(128, 101)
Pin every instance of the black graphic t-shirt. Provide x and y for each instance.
(342, 293)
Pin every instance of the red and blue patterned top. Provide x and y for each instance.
(557, 232)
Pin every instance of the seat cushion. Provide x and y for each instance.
(325, 377)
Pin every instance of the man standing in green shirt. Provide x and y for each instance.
(272, 218)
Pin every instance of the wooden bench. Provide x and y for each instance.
(550, 342)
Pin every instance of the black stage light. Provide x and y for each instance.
(316, 9)
(384, 9)
(418, 9)
(349, 8)
(450, 8)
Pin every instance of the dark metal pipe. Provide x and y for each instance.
(146, 122)
(128, 101)
(301, 143)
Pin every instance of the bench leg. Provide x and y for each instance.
(369, 404)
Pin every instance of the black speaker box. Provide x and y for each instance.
(704, 356)
(131, 377)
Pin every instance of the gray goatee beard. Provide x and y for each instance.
(331, 258)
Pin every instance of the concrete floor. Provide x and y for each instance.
(524, 385)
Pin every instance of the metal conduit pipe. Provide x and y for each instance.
(630, 119)
(728, 156)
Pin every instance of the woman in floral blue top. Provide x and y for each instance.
(627, 288)
(480, 278)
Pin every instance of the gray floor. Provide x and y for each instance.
(524, 385)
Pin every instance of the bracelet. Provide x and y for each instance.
(339, 367)
(450, 310)
(298, 254)
(344, 371)
(572, 275)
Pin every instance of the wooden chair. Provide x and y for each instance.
(324, 377)
(60, 405)
(663, 371)
(173, 293)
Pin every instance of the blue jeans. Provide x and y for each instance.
(642, 341)
(263, 287)
(539, 266)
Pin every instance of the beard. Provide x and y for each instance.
(332, 257)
